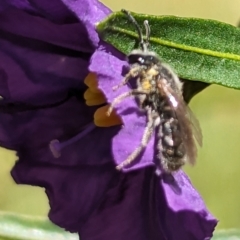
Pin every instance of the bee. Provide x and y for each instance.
(159, 94)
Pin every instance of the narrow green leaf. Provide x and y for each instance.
(198, 49)
(228, 234)
(21, 227)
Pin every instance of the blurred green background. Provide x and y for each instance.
(217, 172)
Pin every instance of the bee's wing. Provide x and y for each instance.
(189, 125)
(197, 133)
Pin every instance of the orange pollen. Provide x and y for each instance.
(95, 97)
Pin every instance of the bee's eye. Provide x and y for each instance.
(141, 60)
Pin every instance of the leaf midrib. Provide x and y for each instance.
(208, 52)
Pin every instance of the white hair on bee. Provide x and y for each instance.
(159, 95)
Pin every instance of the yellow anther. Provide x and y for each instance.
(93, 98)
(91, 82)
(102, 120)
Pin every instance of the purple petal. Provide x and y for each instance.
(185, 205)
(128, 210)
(49, 123)
(78, 181)
(109, 70)
(74, 192)
(36, 71)
(20, 4)
(72, 35)
(53, 10)
(89, 12)
(144, 213)
(74, 182)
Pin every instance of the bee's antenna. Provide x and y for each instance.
(142, 43)
(148, 31)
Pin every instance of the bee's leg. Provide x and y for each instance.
(131, 74)
(145, 139)
(123, 82)
(121, 97)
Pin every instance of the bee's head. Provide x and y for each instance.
(143, 58)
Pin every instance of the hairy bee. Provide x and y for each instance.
(159, 92)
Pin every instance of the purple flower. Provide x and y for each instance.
(47, 49)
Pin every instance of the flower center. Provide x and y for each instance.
(93, 97)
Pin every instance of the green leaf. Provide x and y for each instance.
(197, 49)
(21, 227)
(228, 234)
